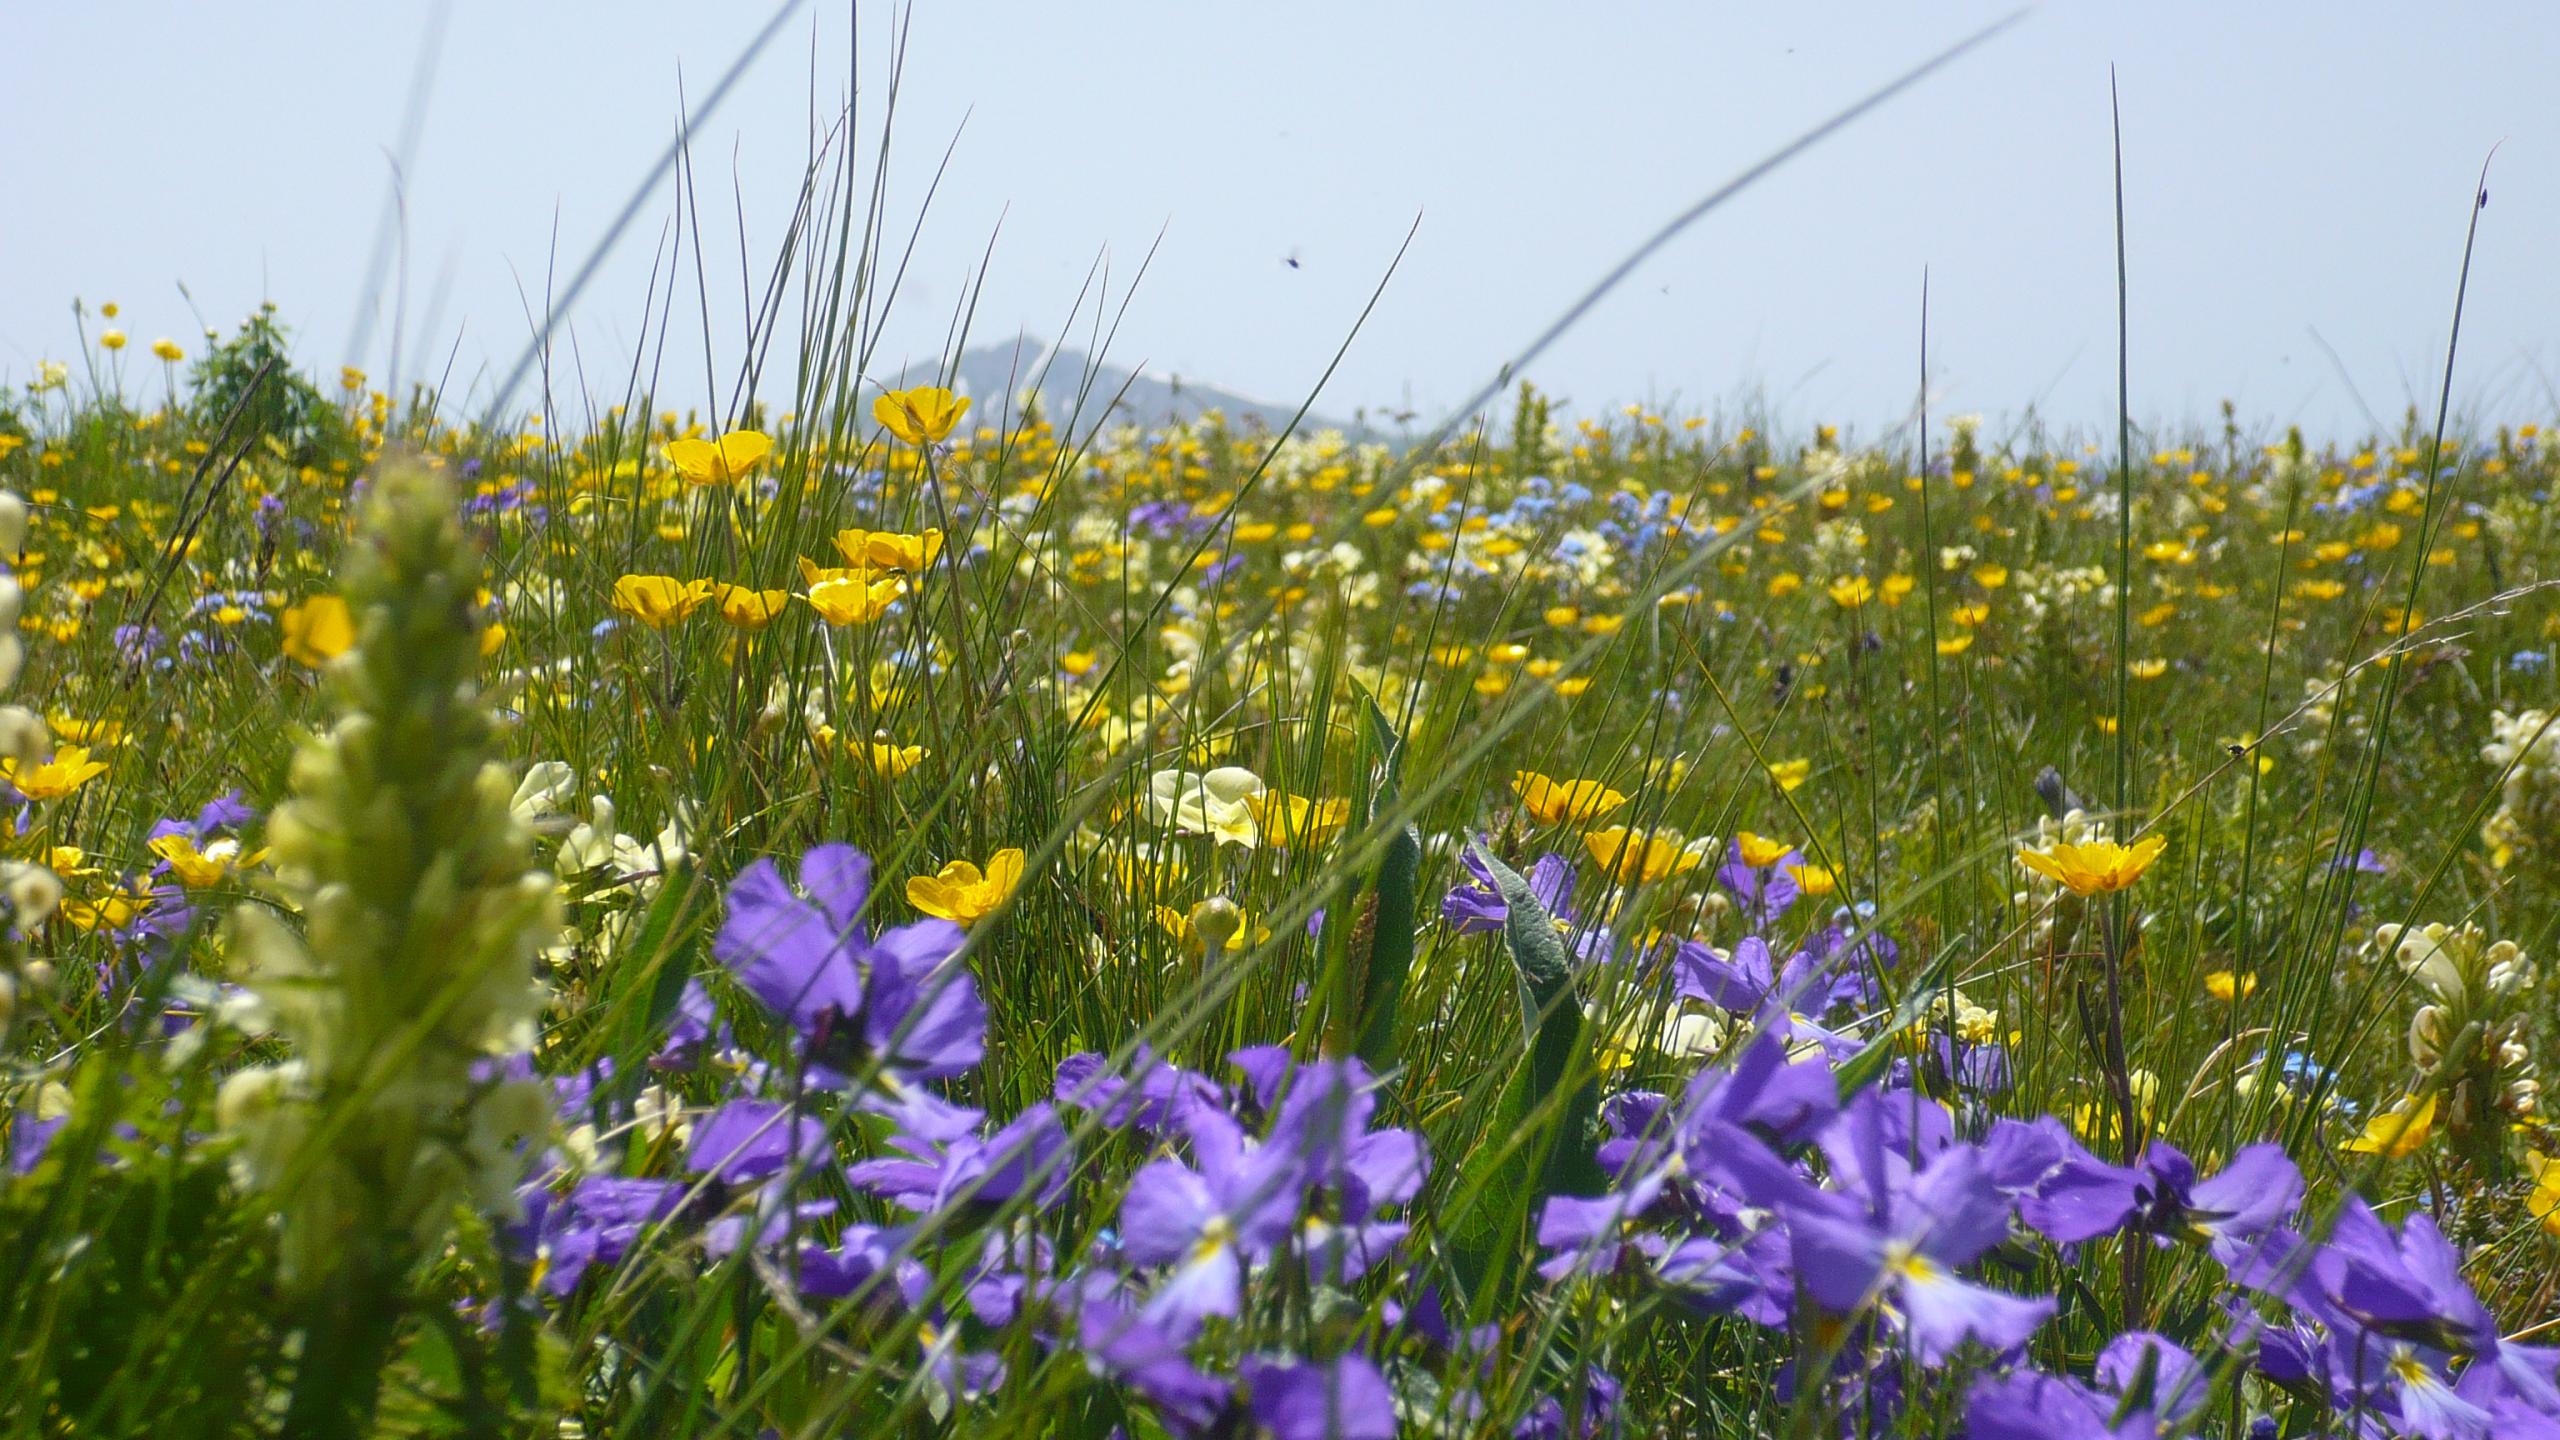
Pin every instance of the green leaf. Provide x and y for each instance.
(1391, 929)
(1539, 1140)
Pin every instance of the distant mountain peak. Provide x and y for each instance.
(1074, 392)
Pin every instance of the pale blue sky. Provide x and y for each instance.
(2289, 166)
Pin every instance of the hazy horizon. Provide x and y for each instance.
(2295, 181)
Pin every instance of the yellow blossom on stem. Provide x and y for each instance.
(749, 609)
(896, 760)
(2396, 1133)
(888, 549)
(659, 601)
(962, 893)
(733, 456)
(67, 771)
(1790, 773)
(197, 868)
(2226, 986)
(2098, 867)
(1815, 880)
(853, 600)
(318, 630)
(1759, 851)
(922, 415)
(1289, 821)
(2544, 1203)
(1555, 802)
(1643, 857)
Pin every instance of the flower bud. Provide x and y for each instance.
(2427, 1031)
(31, 892)
(23, 735)
(1214, 922)
(13, 525)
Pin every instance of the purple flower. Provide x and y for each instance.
(1122, 1342)
(1155, 1095)
(1899, 1236)
(747, 1140)
(897, 1001)
(1028, 1157)
(863, 1258)
(29, 1138)
(1344, 1398)
(2084, 1197)
(2026, 1405)
(1750, 979)
(1475, 907)
(1763, 892)
(1209, 1222)
(595, 1224)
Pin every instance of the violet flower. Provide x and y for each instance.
(897, 1000)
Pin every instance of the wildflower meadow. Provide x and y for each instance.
(825, 906)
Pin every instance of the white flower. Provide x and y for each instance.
(1215, 804)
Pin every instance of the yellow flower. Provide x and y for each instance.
(1851, 592)
(1643, 858)
(889, 550)
(964, 895)
(318, 630)
(1289, 821)
(199, 868)
(749, 609)
(733, 456)
(167, 349)
(896, 760)
(922, 415)
(2225, 986)
(2544, 1203)
(1815, 880)
(113, 910)
(659, 601)
(112, 340)
(1957, 643)
(72, 730)
(853, 600)
(1790, 773)
(2099, 867)
(68, 770)
(2397, 1133)
(2102, 1120)
(1554, 802)
(1759, 851)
